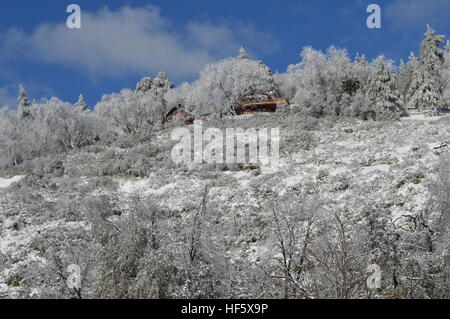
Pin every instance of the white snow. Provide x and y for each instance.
(339, 170)
(162, 190)
(422, 117)
(243, 178)
(382, 168)
(293, 180)
(134, 186)
(404, 150)
(144, 186)
(6, 182)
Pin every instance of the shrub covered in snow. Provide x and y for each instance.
(51, 127)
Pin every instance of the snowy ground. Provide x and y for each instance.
(6, 182)
(353, 163)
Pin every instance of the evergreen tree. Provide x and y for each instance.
(82, 104)
(426, 90)
(412, 83)
(144, 85)
(161, 85)
(360, 70)
(446, 75)
(361, 60)
(431, 55)
(446, 51)
(318, 80)
(162, 82)
(24, 102)
(243, 54)
(426, 96)
(158, 86)
(413, 62)
(383, 94)
(405, 76)
(402, 80)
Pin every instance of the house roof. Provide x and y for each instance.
(262, 102)
(176, 108)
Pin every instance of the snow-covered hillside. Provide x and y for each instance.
(347, 166)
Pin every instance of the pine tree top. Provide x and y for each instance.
(81, 103)
(144, 85)
(24, 102)
(162, 80)
(23, 98)
(361, 59)
(243, 54)
(431, 55)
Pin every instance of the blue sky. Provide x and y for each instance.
(122, 41)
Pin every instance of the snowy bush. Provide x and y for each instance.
(51, 127)
(426, 91)
(446, 75)
(317, 80)
(224, 84)
(382, 93)
(131, 113)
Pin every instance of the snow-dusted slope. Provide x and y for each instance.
(348, 162)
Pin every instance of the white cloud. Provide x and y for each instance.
(418, 13)
(227, 37)
(131, 41)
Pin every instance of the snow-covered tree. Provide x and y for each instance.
(53, 127)
(81, 104)
(446, 75)
(182, 96)
(382, 92)
(162, 80)
(151, 92)
(243, 54)
(224, 84)
(161, 85)
(426, 91)
(361, 70)
(72, 127)
(144, 85)
(431, 54)
(317, 80)
(24, 102)
(134, 114)
(405, 76)
(360, 106)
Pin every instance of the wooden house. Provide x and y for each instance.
(249, 105)
(260, 104)
(178, 112)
